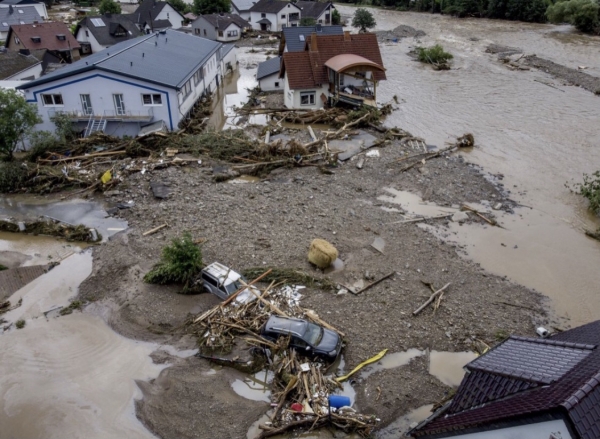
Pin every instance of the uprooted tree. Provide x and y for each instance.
(181, 262)
(17, 118)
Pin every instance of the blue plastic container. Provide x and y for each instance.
(338, 401)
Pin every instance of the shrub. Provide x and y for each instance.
(433, 55)
(11, 176)
(590, 189)
(181, 262)
(363, 19)
(307, 21)
(336, 18)
(20, 324)
(583, 14)
(2, 267)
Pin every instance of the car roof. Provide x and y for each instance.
(283, 324)
(224, 275)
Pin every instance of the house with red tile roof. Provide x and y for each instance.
(527, 388)
(52, 36)
(333, 69)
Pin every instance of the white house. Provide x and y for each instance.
(13, 15)
(156, 77)
(152, 15)
(526, 388)
(319, 11)
(272, 15)
(267, 75)
(40, 7)
(220, 27)
(242, 8)
(15, 66)
(99, 32)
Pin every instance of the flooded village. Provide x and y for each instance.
(303, 233)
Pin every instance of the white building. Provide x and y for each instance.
(15, 66)
(242, 8)
(96, 33)
(40, 7)
(267, 75)
(153, 78)
(220, 27)
(152, 15)
(272, 15)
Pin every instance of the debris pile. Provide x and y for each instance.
(301, 388)
(51, 227)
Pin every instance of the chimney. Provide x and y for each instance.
(10, 10)
(313, 43)
(347, 36)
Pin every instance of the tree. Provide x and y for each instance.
(17, 118)
(109, 7)
(180, 6)
(336, 18)
(363, 19)
(583, 14)
(307, 21)
(202, 7)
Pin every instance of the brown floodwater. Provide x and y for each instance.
(538, 137)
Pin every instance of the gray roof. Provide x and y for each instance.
(532, 359)
(161, 24)
(264, 21)
(148, 9)
(295, 43)
(19, 2)
(225, 49)
(243, 5)
(106, 34)
(167, 58)
(269, 6)
(12, 62)
(222, 21)
(312, 9)
(15, 15)
(268, 67)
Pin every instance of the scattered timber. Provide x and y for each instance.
(430, 300)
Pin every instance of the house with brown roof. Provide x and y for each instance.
(527, 388)
(52, 36)
(333, 69)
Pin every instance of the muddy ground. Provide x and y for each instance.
(271, 222)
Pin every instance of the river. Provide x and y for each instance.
(538, 137)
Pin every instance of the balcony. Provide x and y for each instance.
(146, 115)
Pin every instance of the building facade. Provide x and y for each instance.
(273, 15)
(220, 27)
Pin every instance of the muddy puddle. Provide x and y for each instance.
(538, 137)
(448, 367)
(391, 361)
(400, 426)
(68, 376)
(18, 250)
(254, 387)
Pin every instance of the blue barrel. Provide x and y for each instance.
(338, 401)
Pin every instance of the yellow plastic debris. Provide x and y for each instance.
(377, 357)
(106, 177)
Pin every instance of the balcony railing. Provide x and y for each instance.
(146, 115)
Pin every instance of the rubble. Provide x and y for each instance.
(51, 227)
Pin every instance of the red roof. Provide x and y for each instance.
(307, 69)
(47, 35)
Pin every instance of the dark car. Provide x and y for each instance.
(306, 337)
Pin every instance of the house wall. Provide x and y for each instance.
(244, 14)
(202, 28)
(231, 28)
(89, 38)
(230, 58)
(208, 84)
(169, 13)
(32, 72)
(256, 16)
(292, 98)
(268, 83)
(322, 18)
(543, 430)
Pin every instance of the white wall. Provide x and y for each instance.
(256, 16)
(268, 83)
(541, 430)
(292, 98)
(231, 27)
(168, 13)
(90, 38)
(209, 82)
(230, 58)
(34, 72)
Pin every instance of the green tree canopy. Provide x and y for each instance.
(307, 21)
(202, 7)
(336, 18)
(180, 6)
(363, 19)
(17, 118)
(109, 7)
(583, 14)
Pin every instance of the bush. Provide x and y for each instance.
(583, 14)
(433, 55)
(307, 21)
(42, 142)
(20, 324)
(590, 189)
(336, 18)
(12, 174)
(2, 267)
(181, 262)
(363, 19)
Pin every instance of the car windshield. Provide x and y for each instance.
(313, 334)
(233, 287)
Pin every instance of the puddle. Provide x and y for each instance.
(254, 387)
(448, 366)
(400, 426)
(70, 376)
(20, 250)
(391, 361)
(73, 212)
(413, 204)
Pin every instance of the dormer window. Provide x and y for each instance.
(61, 37)
(36, 39)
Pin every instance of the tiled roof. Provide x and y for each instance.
(222, 21)
(243, 5)
(15, 15)
(269, 6)
(12, 62)
(167, 58)
(268, 67)
(312, 9)
(19, 2)
(48, 33)
(303, 74)
(105, 27)
(295, 37)
(487, 397)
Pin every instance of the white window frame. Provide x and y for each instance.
(232, 33)
(155, 99)
(311, 95)
(53, 97)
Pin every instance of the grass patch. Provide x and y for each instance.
(2, 267)
(290, 276)
(590, 189)
(435, 55)
(502, 335)
(76, 304)
(20, 324)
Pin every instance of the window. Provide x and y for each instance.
(220, 33)
(52, 100)
(86, 105)
(277, 84)
(186, 89)
(307, 98)
(61, 37)
(232, 33)
(204, 32)
(341, 79)
(263, 15)
(301, 37)
(167, 15)
(197, 76)
(87, 33)
(17, 41)
(119, 104)
(152, 99)
(36, 39)
(283, 16)
(197, 31)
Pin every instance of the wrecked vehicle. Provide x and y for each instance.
(308, 338)
(222, 281)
